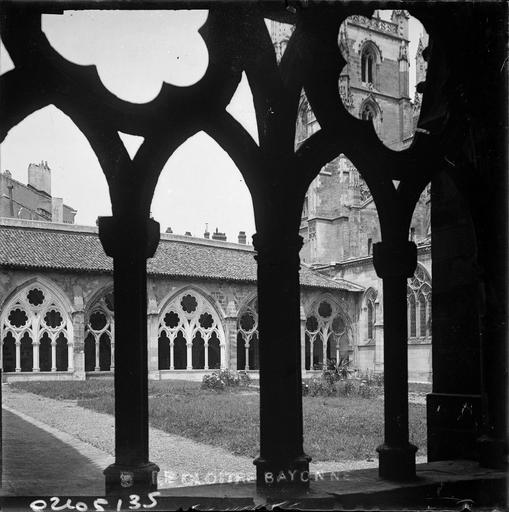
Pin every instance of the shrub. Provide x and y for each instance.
(334, 372)
(212, 381)
(222, 379)
(328, 386)
(321, 387)
(372, 379)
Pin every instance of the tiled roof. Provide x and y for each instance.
(41, 245)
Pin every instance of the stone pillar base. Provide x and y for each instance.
(453, 422)
(123, 479)
(287, 473)
(396, 462)
(492, 453)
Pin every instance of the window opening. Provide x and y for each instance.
(248, 356)
(190, 334)
(36, 332)
(325, 335)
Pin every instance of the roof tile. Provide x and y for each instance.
(81, 251)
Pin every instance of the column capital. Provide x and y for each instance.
(395, 259)
(123, 235)
(274, 249)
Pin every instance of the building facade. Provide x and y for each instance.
(339, 223)
(57, 314)
(33, 201)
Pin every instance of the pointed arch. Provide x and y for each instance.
(170, 297)
(370, 59)
(419, 305)
(98, 295)
(247, 334)
(42, 281)
(100, 331)
(37, 312)
(370, 109)
(328, 331)
(369, 314)
(191, 316)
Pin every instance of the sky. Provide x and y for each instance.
(135, 52)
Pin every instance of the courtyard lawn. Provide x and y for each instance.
(335, 429)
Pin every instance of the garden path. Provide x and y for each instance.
(182, 461)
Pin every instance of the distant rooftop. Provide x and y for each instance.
(69, 247)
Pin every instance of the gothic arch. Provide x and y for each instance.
(196, 289)
(247, 334)
(99, 346)
(191, 333)
(370, 45)
(419, 295)
(370, 59)
(97, 295)
(370, 104)
(42, 281)
(368, 315)
(248, 300)
(36, 331)
(327, 328)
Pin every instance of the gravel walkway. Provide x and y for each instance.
(182, 461)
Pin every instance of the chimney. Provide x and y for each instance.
(39, 177)
(206, 234)
(169, 230)
(57, 209)
(242, 237)
(188, 233)
(218, 236)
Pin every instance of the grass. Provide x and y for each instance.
(335, 428)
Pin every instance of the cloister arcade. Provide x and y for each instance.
(460, 146)
(328, 334)
(99, 347)
(36, 330)
(193, 333)
(248, 357)
(190, 334)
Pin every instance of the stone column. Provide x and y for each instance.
(246, 349)
(281, 431)
(53, 355)
(35, 356)
(222, 356)
(78, 328)
(379, 337)
(112, 356)
(206, 360)
(70, 357)
(97, 349)
(153, 342)
(395, 262)
(17, 346)
(303, 343)
(130, 241)
(112, 332)
(172, 355)
(230, 322)
(189, 348)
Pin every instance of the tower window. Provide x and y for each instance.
(370, 243)
(367, 67)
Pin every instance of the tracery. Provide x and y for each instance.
(247, 338)
(99, 335)
(325, 334)
(36, 332)
(190, 334)
(419, 306)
